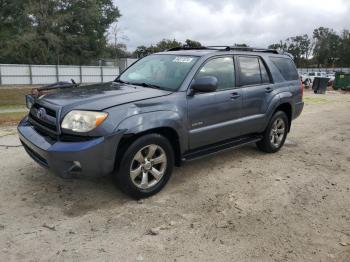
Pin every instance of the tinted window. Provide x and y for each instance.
(286, 68)
(222, 68)
(264, 75)
(249, 71)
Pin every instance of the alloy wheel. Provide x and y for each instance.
(277, 132)
(148, 166)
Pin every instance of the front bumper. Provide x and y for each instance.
(95, 157)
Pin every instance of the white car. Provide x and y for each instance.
(308, 78)
(331, 77)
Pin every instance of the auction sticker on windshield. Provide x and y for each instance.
(183, 59)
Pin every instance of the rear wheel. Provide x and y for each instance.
(146, 166)
(275, 133)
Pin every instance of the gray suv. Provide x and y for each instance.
(164, 109)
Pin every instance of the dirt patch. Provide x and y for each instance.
(240, 205)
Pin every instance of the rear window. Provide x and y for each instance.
(252, 71)
(249, 71)
(286, 68)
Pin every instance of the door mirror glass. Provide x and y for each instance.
(205, 84)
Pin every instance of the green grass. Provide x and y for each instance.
(12, 99)
(11, 118)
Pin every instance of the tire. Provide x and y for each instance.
(145, 166)
(277, 122)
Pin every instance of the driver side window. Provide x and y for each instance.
(223, 69)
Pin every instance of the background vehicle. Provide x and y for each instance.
(308, 78)
(166, 108)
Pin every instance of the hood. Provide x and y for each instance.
(100, 96)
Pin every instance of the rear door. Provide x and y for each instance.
(258, 91)
(212, 116)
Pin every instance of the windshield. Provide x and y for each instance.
(159, 71)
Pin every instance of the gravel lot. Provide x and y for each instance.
(240, 205)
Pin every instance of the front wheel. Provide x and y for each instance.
(146, 166)
(275, 133)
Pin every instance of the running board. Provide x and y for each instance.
(216, 148)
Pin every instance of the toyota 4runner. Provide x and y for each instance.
(166, 108)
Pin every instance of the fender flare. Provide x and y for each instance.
(279, 99)
(157, 119)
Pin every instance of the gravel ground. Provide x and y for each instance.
(241, 205)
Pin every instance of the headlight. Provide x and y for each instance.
(83, 121)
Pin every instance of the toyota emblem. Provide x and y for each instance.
(41, 113)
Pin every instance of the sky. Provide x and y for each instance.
(225, 22)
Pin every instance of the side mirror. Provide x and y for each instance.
(205, 84)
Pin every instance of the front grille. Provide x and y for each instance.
(49, 111)
(43, 123)
(44, 120)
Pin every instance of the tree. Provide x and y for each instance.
(166, 44)
(56, 31)
(344, 49)
(299, 46)
(141, 51)
(327, 45)
(163, 45)
(117, 49)
(279, 46)
(192, 43)
(13, 21)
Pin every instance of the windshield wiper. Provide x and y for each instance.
(121, 81)
(147, 85)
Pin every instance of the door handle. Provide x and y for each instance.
(235, 95)
(268, 89)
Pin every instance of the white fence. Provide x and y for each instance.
(125, 63)
(328, 70)
(11, 74)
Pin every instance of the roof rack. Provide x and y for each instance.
(185, 47)
(228, 48)
(246, 48)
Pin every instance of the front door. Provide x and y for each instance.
(213, 116)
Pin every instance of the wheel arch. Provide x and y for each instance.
(166, 123)
(168, 132)
(285, 107)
